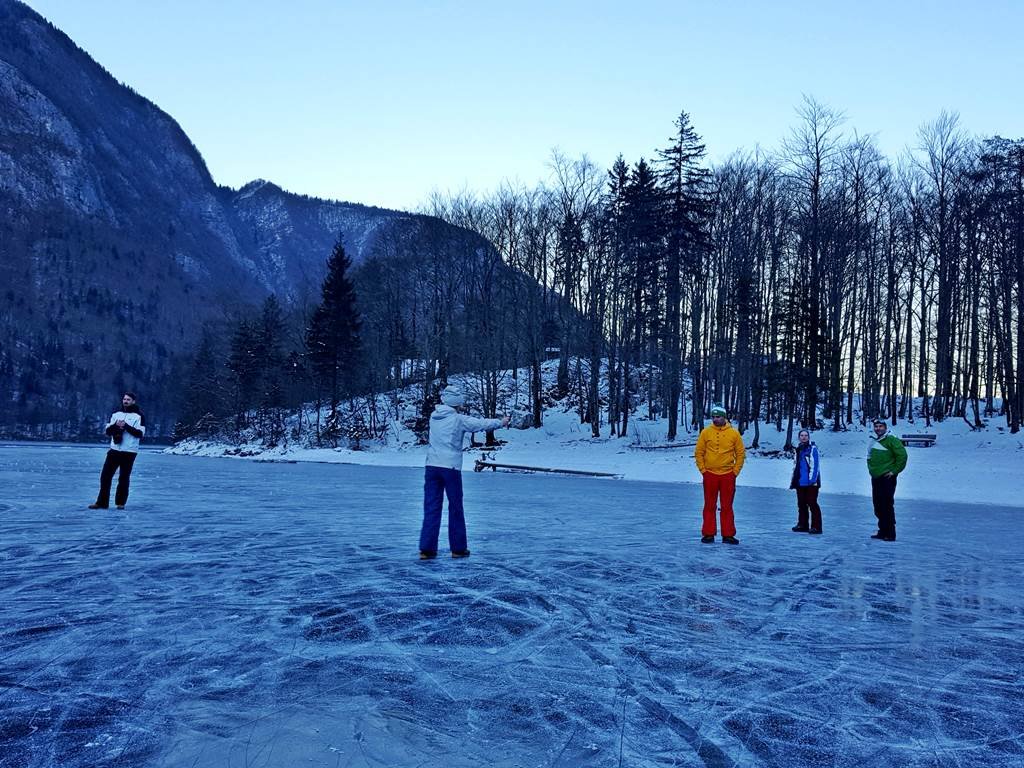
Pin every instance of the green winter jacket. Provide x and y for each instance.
(886, 454)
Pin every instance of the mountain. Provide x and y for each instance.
(287, 237)
(116, 244)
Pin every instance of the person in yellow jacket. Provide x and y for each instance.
(719, 455)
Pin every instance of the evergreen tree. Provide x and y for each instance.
(271, 359)
(645, 255)
(246, 369)
(203, 391)
(619, 360)
(333, 334)
(687, 207)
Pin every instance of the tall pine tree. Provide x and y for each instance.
(246, 370)
(203, 401)
(270, 339)
(685, 184)
(333, 334)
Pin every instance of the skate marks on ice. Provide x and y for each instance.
(276, 616)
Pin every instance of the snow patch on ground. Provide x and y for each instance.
(963, 466)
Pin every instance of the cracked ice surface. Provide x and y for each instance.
(245, 614)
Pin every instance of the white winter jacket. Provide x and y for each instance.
(129, 442)
(447, 429)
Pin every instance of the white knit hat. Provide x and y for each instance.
(452, 395)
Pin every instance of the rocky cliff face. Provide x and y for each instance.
(286, 235)
(116, 244)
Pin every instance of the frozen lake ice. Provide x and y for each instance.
(248, 614)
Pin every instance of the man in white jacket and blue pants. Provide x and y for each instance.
(444, 473)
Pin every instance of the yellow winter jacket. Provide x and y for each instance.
(719, 450)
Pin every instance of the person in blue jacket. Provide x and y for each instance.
(444, 473)
(807, 480)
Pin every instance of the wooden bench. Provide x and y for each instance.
(637, 447)
(924, 441)
(480, 466)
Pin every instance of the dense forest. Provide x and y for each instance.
(822, 284)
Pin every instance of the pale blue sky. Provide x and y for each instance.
(381, 102)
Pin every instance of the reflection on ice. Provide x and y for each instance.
(275, 615)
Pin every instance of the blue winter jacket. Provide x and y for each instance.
(807, 470)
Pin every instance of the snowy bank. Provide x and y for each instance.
(963, 466)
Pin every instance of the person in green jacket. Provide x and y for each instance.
(886, 459)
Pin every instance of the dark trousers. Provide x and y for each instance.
(883, 491)
(807, 500)
(116, 460)
(437, 482)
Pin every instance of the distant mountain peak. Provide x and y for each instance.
(118, 245)
(256, 185)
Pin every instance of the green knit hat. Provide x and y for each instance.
(718, 410)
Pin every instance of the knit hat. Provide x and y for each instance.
(718, 410)
(452, 395)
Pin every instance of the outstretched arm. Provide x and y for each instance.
(473, 424)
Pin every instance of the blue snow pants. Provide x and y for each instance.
(436, 483)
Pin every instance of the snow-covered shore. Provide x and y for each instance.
(964, 466)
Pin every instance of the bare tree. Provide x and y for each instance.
(812, 150)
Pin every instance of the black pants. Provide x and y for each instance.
(883, 491)
(116, 460)
(807, 499)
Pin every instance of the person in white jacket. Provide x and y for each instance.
(444, 473)
(125, 428)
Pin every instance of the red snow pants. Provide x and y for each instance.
(719, 487)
